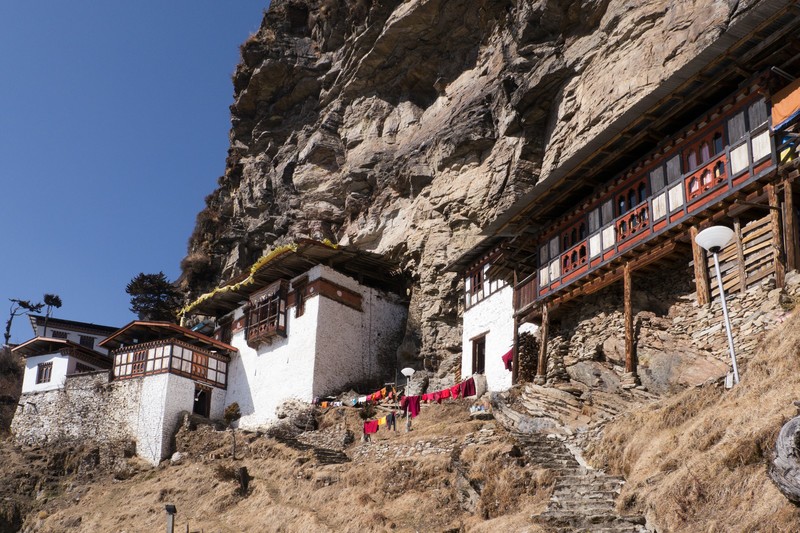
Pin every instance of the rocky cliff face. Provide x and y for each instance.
(403, 127)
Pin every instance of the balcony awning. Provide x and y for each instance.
(47, 345)
(292, 260)
(140, 331)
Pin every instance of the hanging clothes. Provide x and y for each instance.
(370, 426)
(391, 422)
(382, 421)
(455, 390)
(444, 394)
(508, 359)
(468, 388)
(410, 404)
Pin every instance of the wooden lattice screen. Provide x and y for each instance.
(747, 260)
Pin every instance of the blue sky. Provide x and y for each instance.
(113, 128)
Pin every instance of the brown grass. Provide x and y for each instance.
(698, 461)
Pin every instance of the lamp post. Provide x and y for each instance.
(714, 239)
(408, 372)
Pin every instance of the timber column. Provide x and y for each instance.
(700, 274)
(629, 378)
(777, 235)
(541, 367)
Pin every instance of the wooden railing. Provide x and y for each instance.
(661, 211)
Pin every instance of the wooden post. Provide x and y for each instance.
(790, 227)
(515, 359)
(541, 368)
(777, 237)
(700, 270)
(630, 358)
(737, 231)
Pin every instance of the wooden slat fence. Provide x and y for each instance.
(753, 243)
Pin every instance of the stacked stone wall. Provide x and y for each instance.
(678, 342)
(87, 408)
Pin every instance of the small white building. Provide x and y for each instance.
(180, 371)
(488, 321)
(61, 348)
(309, 320)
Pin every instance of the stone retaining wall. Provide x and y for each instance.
(678, 342)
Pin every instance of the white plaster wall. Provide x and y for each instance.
(73, 362)
(163, 398)
(217, 403)
(261, 380)
(357, 346)
(72, 336)
(57, 375)
(493, 316)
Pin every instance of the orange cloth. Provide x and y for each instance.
(786, 102)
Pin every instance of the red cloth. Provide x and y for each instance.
(455, 390)
(370, 426)
(437, 396)
(427, 397)
(468, 387)
(410, 404)
(508, 359)
(445, 393)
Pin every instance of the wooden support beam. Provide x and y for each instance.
(541, 367)
(630, 357)
(790, 227)
(737, 231)
(515, 360)
(700, 270)
(777, 238)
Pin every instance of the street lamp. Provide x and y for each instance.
(408, 372)
(715, 239)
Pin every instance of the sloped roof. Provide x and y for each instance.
(73, 325)
(292, 260)
(140, 331)
(47, 345)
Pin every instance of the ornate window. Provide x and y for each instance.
(44, 372)
(266, 317)
(87, 340)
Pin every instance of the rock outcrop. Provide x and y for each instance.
(404, 127)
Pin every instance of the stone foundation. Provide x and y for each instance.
(678, 343)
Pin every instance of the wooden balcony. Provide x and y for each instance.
(726, 174)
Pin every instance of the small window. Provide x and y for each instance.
(705, 152)
(566, 263)
(476, 281)
(691, 160)
(694, 185)
(707, 181)
(719, 169)
(566, 241)
(608, 212)
(631, 199)
(621, 206)
(59, 334)
(657, 179)
(594, 220)
(582, 253)
(300, 287)
(623, 227)
(479, 355)
(582, 231)
(139, 360)
(44, 372)
(736, 127)
(574, 257)
(574, 237)
(642, 192)
(87, 340)
(757, 114)
(674, 169)
(554, 248)
(718, 147)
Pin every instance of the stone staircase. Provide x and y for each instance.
(583, 499)
(323, 456)
(543, 421)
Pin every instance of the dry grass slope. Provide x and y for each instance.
(697, 461)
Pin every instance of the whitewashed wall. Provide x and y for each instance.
(260, 380)
(72, 336)
(495, 317)
(57, 375)
(329, 347)
(163, 397)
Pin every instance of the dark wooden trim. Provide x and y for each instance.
(700, 270)
(737, 231)
(777, 239)
(628, 310)
(541, 367)
(790, 227)
(515, 347)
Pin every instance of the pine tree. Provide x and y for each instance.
(153, 297)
